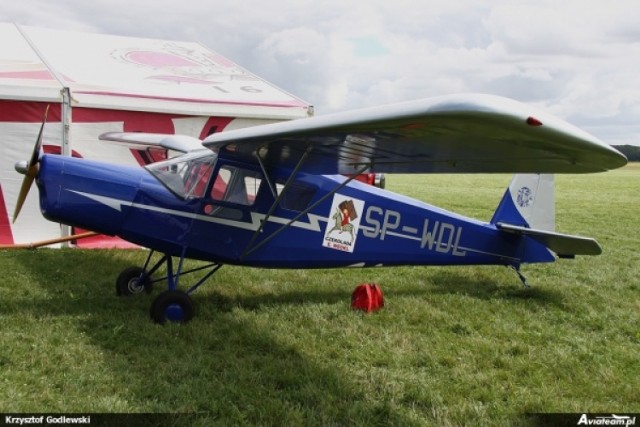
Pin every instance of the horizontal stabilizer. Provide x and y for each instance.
(564, 245)
(142, 141)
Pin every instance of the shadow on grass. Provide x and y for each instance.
(225, 303)
(227, 366)
(485, 287)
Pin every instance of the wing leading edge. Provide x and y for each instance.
(449, 134)
(143, 141)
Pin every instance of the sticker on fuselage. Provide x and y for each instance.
(343, 224)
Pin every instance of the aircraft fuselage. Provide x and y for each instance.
(311, 226)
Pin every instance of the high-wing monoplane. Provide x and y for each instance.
(283, 195)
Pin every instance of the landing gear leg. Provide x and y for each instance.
(521, 276)
(173, 304)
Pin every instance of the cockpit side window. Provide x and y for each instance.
(196, 182)
(297, 197)
(236, 185)
(186, 176)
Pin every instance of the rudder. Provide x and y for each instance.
(529, 201)
(527, 209)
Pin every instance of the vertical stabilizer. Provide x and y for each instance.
(528, 202)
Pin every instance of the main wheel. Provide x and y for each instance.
(174, 306)
(133, 281)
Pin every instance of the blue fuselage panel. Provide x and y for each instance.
(358, 225)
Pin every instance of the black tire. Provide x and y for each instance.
(174, 306)
(133, 281)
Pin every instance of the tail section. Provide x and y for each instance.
(528, 209)
(528, 202)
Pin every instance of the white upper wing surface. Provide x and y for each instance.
(457, 133)
(143, 141)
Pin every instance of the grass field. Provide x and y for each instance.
(453, 346)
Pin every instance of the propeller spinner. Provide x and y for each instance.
(29, 169)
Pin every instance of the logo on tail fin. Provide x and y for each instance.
(525, 197)
(529, 201)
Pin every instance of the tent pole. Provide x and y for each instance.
(65, 107)
(66, 121)
(65, 230)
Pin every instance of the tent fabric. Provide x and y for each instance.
(115, 84)
(125, 73)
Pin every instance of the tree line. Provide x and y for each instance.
(631, 151)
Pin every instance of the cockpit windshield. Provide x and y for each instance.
(186, 176)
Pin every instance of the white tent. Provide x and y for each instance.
(96, 83)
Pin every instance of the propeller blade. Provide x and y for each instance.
(35, 156)
(32, 169)
(24, 190)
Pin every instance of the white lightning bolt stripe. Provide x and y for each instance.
(256, 218)
(107, 201)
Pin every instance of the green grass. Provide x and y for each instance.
(453, 346)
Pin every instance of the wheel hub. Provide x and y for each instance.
(135, 287)
(174, 313)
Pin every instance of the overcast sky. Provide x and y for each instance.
(579, 59)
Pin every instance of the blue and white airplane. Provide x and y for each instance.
(284, 196)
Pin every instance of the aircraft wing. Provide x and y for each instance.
(449, 134)
(142, 141)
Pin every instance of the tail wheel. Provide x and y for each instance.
(133, 281)
(174, 306)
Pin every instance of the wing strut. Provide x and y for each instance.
(278, 197)
(250, 249)
(266, 175)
